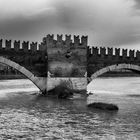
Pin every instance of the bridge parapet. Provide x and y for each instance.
(19, 46)
(102, 51)
(124, 53)
(117, 52)
(8, 44)
(76, 40)
(95, 51)
(138, 54)
(67, 41)
(100, 57)
(110, 52)
(33, 46)
(132, 53)
(25, 46)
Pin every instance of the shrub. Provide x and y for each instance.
(63, 90)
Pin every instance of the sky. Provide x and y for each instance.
(109, 23)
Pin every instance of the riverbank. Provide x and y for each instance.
(108, 74)
(8, 77)
(120, 74)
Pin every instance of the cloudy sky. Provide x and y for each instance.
(106, 22)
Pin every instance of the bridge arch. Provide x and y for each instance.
(36, 80)
(132, 67)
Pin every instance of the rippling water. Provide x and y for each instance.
(25, 115)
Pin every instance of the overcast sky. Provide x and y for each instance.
(106, 22)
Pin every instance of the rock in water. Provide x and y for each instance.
(61, 92)
(104, 106)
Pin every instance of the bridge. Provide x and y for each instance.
(65, 58)
(101, 60)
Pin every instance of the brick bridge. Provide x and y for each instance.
(101, 60)
(65, 58)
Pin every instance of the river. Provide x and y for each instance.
(26, 115)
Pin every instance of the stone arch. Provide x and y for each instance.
(36, 80)
(132, 67)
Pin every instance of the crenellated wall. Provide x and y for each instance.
(100, 57)
(117, 52)
(65, 41)
(65, 49)
(47, 42)
(26, 54)
(17, 45)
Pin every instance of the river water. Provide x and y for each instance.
(26, 115)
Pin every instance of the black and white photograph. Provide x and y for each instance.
(69, 69)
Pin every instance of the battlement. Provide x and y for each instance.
(17, 45)
(116, 52)
(47, 42)
(67, 40)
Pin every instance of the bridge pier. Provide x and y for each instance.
(47, 84)
(77, 83)
(44, 92)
